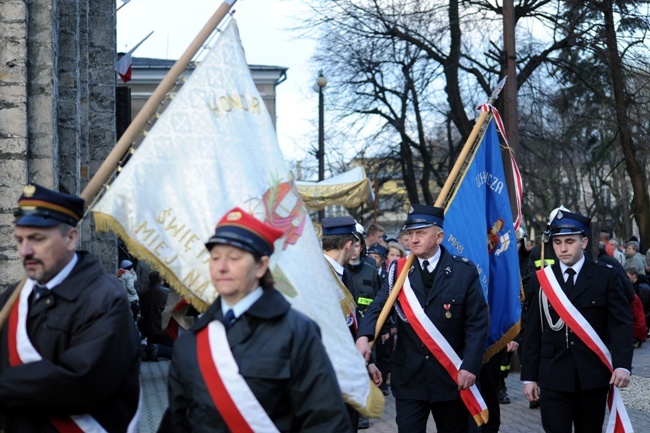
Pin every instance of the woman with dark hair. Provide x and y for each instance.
(251, 362)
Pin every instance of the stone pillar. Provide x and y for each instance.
(69, 101)
(99, 114)
(42, 91)
(13, 129)
(57, 109)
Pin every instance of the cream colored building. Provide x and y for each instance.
(147, 73)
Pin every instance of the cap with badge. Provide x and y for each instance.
(42, 207)
(345, 225)
(421, 216)
(378, 249)
(568, 223)
(242, 230)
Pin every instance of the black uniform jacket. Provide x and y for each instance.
(556, 360)
(416, 374)
(282, 359)
(85, 333)
(366, 283)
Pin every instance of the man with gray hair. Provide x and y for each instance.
(69, 356)
(634, 258)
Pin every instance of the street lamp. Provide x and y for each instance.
(321, 82)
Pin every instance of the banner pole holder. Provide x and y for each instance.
(447, 191)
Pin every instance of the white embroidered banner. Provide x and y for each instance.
(212, 149)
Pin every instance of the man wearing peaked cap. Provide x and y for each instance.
(79, 354)
(421, 216)
(447, 290)
(251, 362)
(42, 207)
(339, 236)
(559, 369)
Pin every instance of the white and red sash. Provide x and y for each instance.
(22, 351)
(229, 391)
(440, 348)
(619, 421)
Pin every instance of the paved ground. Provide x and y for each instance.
(515, 417)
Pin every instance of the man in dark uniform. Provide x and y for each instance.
(69, 356)
(448, 290)
(533, 264)
(574, 381)
(339, 236)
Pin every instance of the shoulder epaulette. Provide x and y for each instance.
(606, 265)
(463, 260)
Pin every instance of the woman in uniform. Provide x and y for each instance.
(251, 363)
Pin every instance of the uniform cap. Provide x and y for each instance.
(567, 223)
(345, 225)
(554, 212)
(242, 230)
(378, 249)
(421, 216)
(42, 207)
(126, 264)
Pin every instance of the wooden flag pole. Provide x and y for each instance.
(112, 160)
(446, 192)
(6, 309)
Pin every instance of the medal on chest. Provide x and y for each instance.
(447, 310)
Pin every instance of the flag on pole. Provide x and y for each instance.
(123, 66)
(214, 148)
(479, 226)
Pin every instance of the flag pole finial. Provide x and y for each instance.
(495, 92)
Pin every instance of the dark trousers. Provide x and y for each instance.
(584, 409)
(382, 358)
(489, 386)
(450, 416)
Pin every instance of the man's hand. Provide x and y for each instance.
(384, 337)
(375, 374)
(363, 346)
(620, 378)
(465, 379)
(512, 346)
(531, 391)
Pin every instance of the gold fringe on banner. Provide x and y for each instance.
(348, 304)
(506, 338)
(104, 223)
(374, 404)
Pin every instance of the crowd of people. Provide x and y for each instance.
(75, 335)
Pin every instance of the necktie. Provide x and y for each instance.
(569, 282)
(426, 275)
(38, 292)
(229, 319)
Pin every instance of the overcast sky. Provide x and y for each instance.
(264, 27)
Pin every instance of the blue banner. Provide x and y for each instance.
(479, 226)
